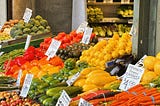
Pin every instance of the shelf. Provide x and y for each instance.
(102, 3)
(114, 20)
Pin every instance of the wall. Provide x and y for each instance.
(3, 13)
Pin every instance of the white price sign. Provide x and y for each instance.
(63, 100)
(82, 27)
(133, 31)
(87, 35)
(27, 15)
(0, 46)
(27, 42)
(132, 77)
(83, 102)
(19, 78)
(73, 79)
(0, 27)
(1, 53)
(51, 52)
(26, 85)
(140, 62)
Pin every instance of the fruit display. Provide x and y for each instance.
(125, 11)
(151, 67)
(94, 14)
(4, 37)
(8, 25)
(74, 50)
(13, 99)
(10, 55)
(105, 51)
(93, 77)
(66, 39)
(35, 26)
(99, 31)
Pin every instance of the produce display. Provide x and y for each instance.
(105, 51)
(13, 99)
(94, 14)
(8, 25)
(4, 37)
(35, 26)
(99, 31)
(125, 11)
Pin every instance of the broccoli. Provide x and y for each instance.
(39, 32)
(41, 28)
(27, 25)
(44, 23)
(34, 29)
(26, 30)
(18, 32)
(48, 27)
(38, 17)
(32, 33)
(37, 23)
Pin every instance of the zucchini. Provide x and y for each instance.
(42, 98)
(48, 102)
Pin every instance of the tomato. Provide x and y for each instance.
(48, 40)
(93, 35)
(79, 35)
(66, 40)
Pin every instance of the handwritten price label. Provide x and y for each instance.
(132, 77)
(82, 27)
(87, 35)
(19, 78)
(51, 52)
(26, 85)
(83, 102)
(140, 62)
(27, 15)
(63, 100)
(27, 42)
(73, 79)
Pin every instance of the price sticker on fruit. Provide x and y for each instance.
(82, 27)
(83, 102)
(27, 15)
(132, 77)
(87, 35)
(73, 79)
(64, 99)
(51, 52)
(26, 85)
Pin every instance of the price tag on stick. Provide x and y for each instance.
(140, 62)
(19, 78)
(73, 79)
(63, 100)
(132, 77)
(87, 35)
(82, 27)
(27, 15)
(51, 52)
(132, 31)
(26, 85)
(27, 42)
(83, 102)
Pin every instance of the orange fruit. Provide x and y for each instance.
(157, 67)
(149, 62)
(158, 55)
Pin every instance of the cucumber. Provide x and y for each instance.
(42, 98)
(48, 102)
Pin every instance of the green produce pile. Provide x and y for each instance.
(10, 55)
(35, 26)
(94, 14)
(99, 31)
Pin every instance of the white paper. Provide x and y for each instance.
(132, 77)
(63, 100)
(27, 15)
(19, 78)
(133, 31)
(26, 85)
(27, 42)
(82, 27)
(51, 52)
(0, 27)
(87, 35)
(73, 79)
(83, 102)
(0, 46)
(1, 53)
(140, 62)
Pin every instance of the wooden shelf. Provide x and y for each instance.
(114, 20)
(102, 3)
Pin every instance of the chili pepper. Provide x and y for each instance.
(29, 56)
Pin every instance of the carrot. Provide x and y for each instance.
(117, 103)
(97, 101)
(135, 87)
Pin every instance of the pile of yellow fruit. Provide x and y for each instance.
(152, 68)
(94, 77)
(105, 50)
